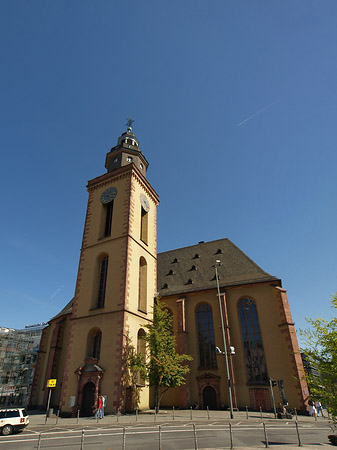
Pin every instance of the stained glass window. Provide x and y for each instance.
(252, 342)
(206, 336)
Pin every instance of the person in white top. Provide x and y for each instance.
(319, 408)
(312, 409)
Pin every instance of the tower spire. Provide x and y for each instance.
(129, 123)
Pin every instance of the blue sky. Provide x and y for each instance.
(235, 108)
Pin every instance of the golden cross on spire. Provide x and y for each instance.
(129, 123)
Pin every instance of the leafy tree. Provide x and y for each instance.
(165, 367)
(321, 351)
(133, 367)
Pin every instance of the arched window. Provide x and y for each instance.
(252, 342)
(142, 292)
(144, 225)
(108, 218)
(103, 272)
(94, 341)
(170, 313)
(141, 349)
(206, 336)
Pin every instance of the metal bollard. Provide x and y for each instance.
(208, 412)
(295, 411)
(261, 412)
(247, 412)
(78, 415)
(136, 414)
(195, 438)
(117, 415)
(160, 446)
(265, 435)
(57, 416)
(173, 412)
(39, 442)
(191, 412)
(298, 435)
(123, 443)
(82, 440)
(231, 435)
(155, 414)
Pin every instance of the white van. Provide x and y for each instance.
(13, 419)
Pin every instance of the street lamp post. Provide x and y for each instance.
(217, 262)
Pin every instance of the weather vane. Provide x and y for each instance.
(129, 123)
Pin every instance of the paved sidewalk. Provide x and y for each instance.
(168, 416)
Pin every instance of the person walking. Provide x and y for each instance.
(312, 409)
(318, 406)
(98, 413)
(103, 406)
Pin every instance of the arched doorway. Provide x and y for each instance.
(209, 398)
(88, 400)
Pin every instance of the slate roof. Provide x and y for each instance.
(192, 268)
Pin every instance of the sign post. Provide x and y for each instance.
(50, 384)
(271, 384)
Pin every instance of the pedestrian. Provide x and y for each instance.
(312, 409)
(98, 412)
(103, 406)
(318, 406)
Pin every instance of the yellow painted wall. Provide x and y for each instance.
(278, 356)
(124, 248)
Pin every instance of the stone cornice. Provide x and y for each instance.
(123, 172)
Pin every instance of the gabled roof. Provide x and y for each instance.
(192, 268)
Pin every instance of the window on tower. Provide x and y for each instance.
(144, 225)
(108, 218)
(103, 272)
(142, 293)
(94, 341)
(141, 350)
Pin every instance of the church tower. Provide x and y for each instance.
(116, 281)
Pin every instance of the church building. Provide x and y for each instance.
(220, 301)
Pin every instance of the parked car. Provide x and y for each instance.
(13, 419)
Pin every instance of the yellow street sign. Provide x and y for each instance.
(51, 383)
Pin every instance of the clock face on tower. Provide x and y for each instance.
(108, 195)
(145, 203)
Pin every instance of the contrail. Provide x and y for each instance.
(56, 292)
(257, 113)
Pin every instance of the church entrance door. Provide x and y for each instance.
(88, 400)
(209, 397)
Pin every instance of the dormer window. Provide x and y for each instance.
(141, 166)
(115, 160)
(129, 158)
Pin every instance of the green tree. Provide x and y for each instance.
(165, 367)
(133, 368)
(320, 347)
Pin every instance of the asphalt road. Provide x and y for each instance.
(212, 435)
